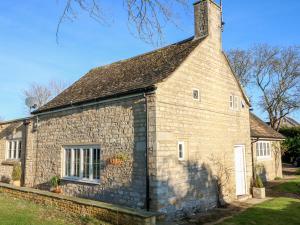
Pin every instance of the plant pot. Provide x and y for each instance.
(115, 162)
(17, 183)
(259, 193)
(57, 190)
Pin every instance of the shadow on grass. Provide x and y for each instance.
(279, 211)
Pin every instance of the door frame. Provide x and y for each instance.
(245, 167)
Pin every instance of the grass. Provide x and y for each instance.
(292, 186)
(19, 212)
(279, 211)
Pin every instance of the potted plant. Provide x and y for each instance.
(16, 175)
(259, 190)
(55, 184)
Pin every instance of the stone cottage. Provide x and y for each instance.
(149, 132)
(266, 147)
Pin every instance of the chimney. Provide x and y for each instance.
(208, 20)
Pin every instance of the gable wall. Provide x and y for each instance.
(208, 128)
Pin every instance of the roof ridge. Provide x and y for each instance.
(144, 54)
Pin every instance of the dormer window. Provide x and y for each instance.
(196, 94)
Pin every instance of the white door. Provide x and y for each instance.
(240, 170)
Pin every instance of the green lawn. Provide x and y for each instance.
(292, 186)
(19, 212)
(279, 211)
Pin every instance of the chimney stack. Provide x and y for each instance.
(201, 19)
(208, 21)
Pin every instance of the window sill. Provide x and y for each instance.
(11, 162)
(264, 158)
(95, 182)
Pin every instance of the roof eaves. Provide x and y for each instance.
(97, 100)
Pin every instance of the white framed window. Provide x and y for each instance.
(14, 149)
(82, 163)
(263, 149)
(196, 94)
(181, 150)
(234, 102)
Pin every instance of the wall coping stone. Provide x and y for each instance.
(87, 202)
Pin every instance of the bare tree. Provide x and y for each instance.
(276, 73)
(241, 63)
(147, 17)
(44, 93)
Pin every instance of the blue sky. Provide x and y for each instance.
(29, 52)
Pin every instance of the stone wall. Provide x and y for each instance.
(9, 131)
(116, 127)
(269, 168)
(102, 211)
(208, 128)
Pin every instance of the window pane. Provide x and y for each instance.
(235, 102)
(180, 151)
(86, 162)
(15, 150)
(19, 149)
(68, 162)
(265, 149)
(10, 150)
(96, 164)
(268, 149)
(261, 149)
(76, 162)
(231, 101)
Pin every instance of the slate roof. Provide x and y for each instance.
(124, 77)
(259, 129)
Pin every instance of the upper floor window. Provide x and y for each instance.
(181, 150)
(234, 102)
(196, 94)
(14, 148)
(263, 149)
(82, 163)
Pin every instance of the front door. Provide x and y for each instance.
(240, 170)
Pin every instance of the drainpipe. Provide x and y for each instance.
(147, 157)
(25, 123)
(253, 161)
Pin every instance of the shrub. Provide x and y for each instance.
(292, 142)
(298, 171)
(17, 172)
(258, 182)
(55, 181)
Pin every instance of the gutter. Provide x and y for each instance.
(26, 123)
(147, 157)
(253, 163)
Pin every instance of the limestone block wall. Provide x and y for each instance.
(9, 131)
(269, 168)
(208, 128)
(116, 127)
